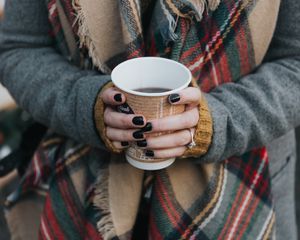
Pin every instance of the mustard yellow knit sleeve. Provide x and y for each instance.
(203, 132)
(99, 120)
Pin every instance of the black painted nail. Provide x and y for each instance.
(173, 98)
(125, 144)
(149, 153)
(142, 143)
(138, 134)
(138, 121)
(118, 97)
(147, 128)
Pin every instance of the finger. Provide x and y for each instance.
(120, 145)
(123, 121)
(112, 96)
(121, 135)
(166, 153)
(187, 119)
(190, 95)
(173, 140)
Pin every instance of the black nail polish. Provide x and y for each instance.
(149, 153)
(139, 121)
(125, 144)
(173, 98)
(142, 143)
(147, 128)
(118, 97)
(138, 134)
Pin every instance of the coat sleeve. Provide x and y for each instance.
(40, 79)
(264, 105)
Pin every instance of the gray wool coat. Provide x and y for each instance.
(62, 96)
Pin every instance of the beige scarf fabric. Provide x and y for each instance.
(103, 30)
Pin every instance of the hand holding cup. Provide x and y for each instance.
(124, 128)
(151, 90)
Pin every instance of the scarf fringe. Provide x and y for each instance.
(105, 225)
(84, 37)
(213, 4)
(86, 41)
(201, 5)
(172, 23)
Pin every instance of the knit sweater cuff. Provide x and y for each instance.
(204, 129)
(203, 132)
(99, 120)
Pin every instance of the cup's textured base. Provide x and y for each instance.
(150, 165)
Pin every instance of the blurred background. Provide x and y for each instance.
(5, 99)
(6, 102)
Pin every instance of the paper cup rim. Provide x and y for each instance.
(153, 94)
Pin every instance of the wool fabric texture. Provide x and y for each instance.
(96, 195)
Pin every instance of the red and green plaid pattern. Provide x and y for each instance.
(57, 30)
(222, 211)
(236, 203)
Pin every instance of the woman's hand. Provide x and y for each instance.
(124, 128)
(121, 128)
(174, 144)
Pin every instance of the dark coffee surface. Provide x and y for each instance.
(152, 90)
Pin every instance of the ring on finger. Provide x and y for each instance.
(192, 143)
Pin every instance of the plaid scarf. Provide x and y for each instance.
(92, 194)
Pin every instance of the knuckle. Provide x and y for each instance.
(197, 92)
(186, 138)
(124, 120)
(106, 116)
(158, 125)
(168, 153)
(179, 139)
(191, 118)
(186, 120)
(161, 154)
(126, 135)
(151, 143)
(106, 110)
(105, 96)
(196, 116)
(111, 98)
(179, 153)
(108, 132)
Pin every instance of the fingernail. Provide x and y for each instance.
(118, 97)
(138, 121)
(142, 143)
(173, 98)
(147, 128)
(125, 144)
(149, 153)
(138, 134)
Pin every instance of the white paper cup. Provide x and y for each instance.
(150, 72)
